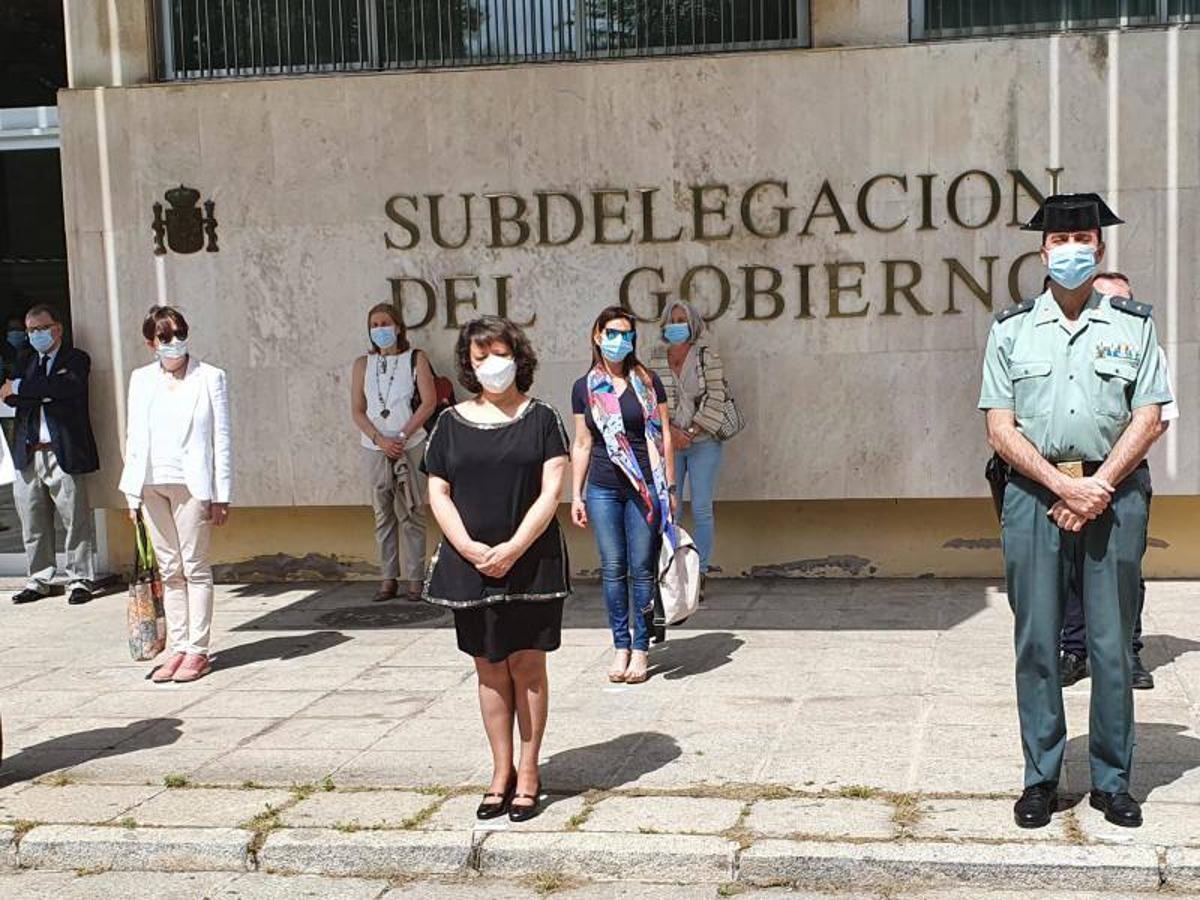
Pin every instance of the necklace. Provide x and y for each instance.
(381, 367)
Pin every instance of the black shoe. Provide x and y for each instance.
(703, 585)
(1120, 809)
(1140, 675)
(494, 810)
(28, 595)
(1035, 806)
(525, 813)
(79, 596)
(1072, 667)
(658, 634)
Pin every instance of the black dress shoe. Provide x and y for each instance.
(524, 813)
(1072, 667)
(1035, 806)
(490, 809)
(28, 595)
(79, 596)
(1120, 809)
(1140, 675)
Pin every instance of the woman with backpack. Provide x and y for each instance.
(393, 395)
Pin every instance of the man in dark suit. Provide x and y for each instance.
(53, 448)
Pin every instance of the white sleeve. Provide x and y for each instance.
(1170, 411)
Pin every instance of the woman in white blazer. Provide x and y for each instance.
(179, 473)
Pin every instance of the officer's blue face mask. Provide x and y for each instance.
(42, 340)
(17, 339)
(677, 333)
(615, 346)
(384, 336)
(1072, 264)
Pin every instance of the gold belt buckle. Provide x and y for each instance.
(1072, 469)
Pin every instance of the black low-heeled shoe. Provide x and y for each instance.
(525, 813)
(487, 810)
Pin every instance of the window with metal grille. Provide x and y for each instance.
(938, 19)
(232, 38)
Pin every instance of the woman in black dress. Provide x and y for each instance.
(496, 465)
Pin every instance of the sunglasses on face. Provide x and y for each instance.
(616, 333)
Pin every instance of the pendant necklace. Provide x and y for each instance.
(384, 396)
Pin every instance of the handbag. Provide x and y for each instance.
(443, 390)
(679, 577)
(144, 616)
(732, 420)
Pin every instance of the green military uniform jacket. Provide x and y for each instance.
(1073, 390)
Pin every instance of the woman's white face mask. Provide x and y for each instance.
(496, 373)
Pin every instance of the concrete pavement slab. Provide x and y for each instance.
(1033, 866)
(74, 803)
(8, 848)
(303, 733)
(259, 705)
(979, 820)
(261, 886)
(832, 817)
(675, 815)
(365, 853)
(1183, 868)
(206, 807)
(1164, 825)
(673, 858)
(148, 849)
(456, 813)
(361, 809)
(272, 767)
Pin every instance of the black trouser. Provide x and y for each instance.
(1074, 629)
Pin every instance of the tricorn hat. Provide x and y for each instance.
(1072, 212)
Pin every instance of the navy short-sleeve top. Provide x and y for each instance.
(601, 471)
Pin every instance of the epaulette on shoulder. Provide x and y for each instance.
(1023, 307)
(1133, 307)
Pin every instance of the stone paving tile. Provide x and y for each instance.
(369, 705)
(366, 809)
(675, 815)
(142, 704)
(365, 853)
(458, 813)
(320, 734)
(142, 766)
(830, 770)
(74, 803)
(260, 886)
(1164, 825)
(394, 768)
(40, 704)
(135, 849)
(197, 734)
(833, 817)
(259, 705)
(642, 857)
(983, 819)
(272, 767)
(206, 807)
(126, 885)
(416, 680)
(315, 678)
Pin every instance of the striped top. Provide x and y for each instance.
(710, 413)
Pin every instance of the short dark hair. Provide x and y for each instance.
(1115, 276)
(1046, 283)
(483, 332)
(44, 309)
(164, 323)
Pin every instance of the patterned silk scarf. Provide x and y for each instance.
(606, 411)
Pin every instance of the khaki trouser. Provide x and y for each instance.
(180, 530)
(399, 531)
(39, 489)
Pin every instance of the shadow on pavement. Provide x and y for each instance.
(609, 764)
(680, 658)
(1163, 754)
(290, 647)
(1163, 649)
(70, 750)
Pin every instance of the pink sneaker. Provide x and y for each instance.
(194, 666)
(167, 670)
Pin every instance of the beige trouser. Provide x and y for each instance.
(40, 489)
(399, 531)
(180, 530)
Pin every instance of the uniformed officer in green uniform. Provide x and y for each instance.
(1073, 386)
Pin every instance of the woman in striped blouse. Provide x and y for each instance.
(691, 371)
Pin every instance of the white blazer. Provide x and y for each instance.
(207, 450)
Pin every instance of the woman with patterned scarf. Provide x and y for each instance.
(622, 450)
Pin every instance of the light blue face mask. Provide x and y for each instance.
(615, 349)
(177, 349)
(1072, 264)
(677, 333)
(42, 340)
(384, 336)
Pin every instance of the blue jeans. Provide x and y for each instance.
(628, 546)
(701, 463)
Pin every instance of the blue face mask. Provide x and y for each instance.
(677, 333)
(384, 336)
(177, 349)
(1072, 264)
(17, 339)
(42, 340)
(615, 348)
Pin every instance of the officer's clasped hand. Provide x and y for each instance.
(1087, 497)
